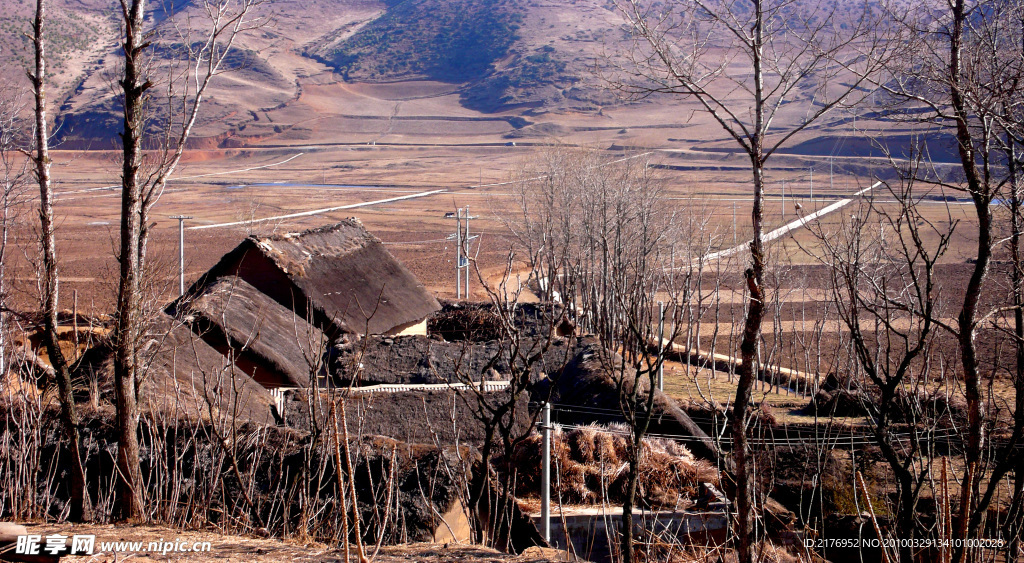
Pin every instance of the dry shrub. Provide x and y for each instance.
(764, 416)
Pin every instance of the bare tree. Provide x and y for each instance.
(601, 238)
(143, 178)
(13, 178)
(638, 239)
(963, 83)
(786, 48)
(887, 292)
(49, 282)
(523, 354)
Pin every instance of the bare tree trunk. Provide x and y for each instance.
(633, 475)
(1015, 514)
(80, 506)
(745, 518)
(980, 195)
(129, 298)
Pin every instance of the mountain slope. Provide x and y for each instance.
(508, 52)
(498, 56)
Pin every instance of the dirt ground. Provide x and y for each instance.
(244, 549)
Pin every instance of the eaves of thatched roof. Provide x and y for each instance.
(183, 376)
(351, 282)
(269, 342)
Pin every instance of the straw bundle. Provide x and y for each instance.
(592, 466)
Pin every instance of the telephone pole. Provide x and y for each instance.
(467, 251)
(181, 251)
(545, 474)
(783, 199)
(661, 346)
(461, 250)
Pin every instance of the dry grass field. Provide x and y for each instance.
(359, 151)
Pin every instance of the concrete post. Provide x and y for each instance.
(661, 346)
(545, 475)
(181, 251)
(458, 253)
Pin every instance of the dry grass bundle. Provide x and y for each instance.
(581, 443)
(592, 464)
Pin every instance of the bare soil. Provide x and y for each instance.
(226, 548)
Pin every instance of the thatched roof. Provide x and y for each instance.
(272, 344)
(350, 281)
(407, 360)
(416, 417)
(586, 393)
(479, 322)
(182, 376)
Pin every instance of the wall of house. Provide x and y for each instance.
(414, 329)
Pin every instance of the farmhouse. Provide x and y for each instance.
(273, 345)
(277, 301)
(339, 277)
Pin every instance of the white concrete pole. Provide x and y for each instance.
(661, 346)
(458, 253)
(181, 257)
(467, 252)
(181, 251)
(545, 475)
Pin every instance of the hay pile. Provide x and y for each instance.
(591, 464)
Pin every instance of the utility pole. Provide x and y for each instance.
(734, 222)
(783, 199)
(461, 252)
(545, 475)
(467, 252)
(661, 346)
(458, 253)
(181, 251)
(811, 170)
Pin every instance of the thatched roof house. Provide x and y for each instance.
(339, 277)
(273, 345)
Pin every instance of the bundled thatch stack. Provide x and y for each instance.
(590, 466)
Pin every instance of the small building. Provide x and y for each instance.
(273, 345)
(277, 302)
